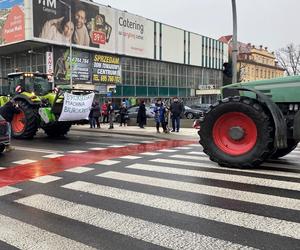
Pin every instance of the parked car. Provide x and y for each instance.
(133, 111)
(204, 107)
(4, 136)
(191, 113)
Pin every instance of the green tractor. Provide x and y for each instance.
(253, 122)
(36, 99)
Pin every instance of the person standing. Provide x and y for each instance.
(104, 112)
(176, 110)
(141, 116)
(160, 112)
(111, 114)
(123, 114)
(96, 114)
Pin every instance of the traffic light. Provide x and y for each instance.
(227, 69)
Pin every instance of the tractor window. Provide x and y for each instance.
(38, 84)
(14, 82)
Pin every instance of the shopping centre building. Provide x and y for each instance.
(112, 51)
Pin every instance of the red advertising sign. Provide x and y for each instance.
(98, 37)
(13, 28)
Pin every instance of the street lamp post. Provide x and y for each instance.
(234, 43)
(70, 44)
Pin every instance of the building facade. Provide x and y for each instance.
(254, 63)
(109, 50)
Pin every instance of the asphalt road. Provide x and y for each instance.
(101, 191)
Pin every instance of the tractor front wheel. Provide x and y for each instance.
(236, 132)
(24, 124)
(292, 144)
(58, 129)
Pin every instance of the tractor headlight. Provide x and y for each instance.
(296, 107)
(291, 107)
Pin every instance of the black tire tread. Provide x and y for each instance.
(264, 118)
(58, 129)
(31, 121)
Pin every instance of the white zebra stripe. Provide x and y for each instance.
(263, 199)
(241, 219)
(212, 165)
(217, 176)
(25, 236)
(154, 233)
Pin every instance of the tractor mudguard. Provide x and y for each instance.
(280, 140)
(25, 98)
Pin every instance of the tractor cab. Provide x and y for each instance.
(37, 83)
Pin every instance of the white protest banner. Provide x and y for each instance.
(76, 107)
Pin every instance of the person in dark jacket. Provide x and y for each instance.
(111, 114)
(123, 115)
(176, 110)
(141, 116)
(96, 114)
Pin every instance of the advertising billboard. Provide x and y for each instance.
(12, 27)
(92, 25)
(106, 69)
(81, 62)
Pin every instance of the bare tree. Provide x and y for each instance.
(289, 59)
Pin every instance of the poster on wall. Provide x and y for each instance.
(92, 25)
(81, 65)
(12, 28)
(106, 69)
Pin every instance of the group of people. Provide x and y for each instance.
(107, 112)
(163, 114)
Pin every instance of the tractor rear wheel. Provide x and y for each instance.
(24, 124)
(237, 133)
(57, 129)
(292, 144)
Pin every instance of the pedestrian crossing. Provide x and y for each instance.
(174, 198)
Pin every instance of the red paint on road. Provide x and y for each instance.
(17, 174)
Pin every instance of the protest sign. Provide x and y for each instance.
(76, 107)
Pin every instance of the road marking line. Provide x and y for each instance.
(131, 157)
(218, 176)
(147, 141)
(168, 150)
(52, 156)
(1, 168)
(116, 146)
(46, 179)
(39, 150)
(8, 190)
(241, 219)
(96, 149)
(213, 165)
(195, 145)
(150, 153)
(26, 161)
(183, 148)
(79, 170)
(263, 199)
(154, 233)
(24, 236)
(77, 151)
(197, 153)
(107, 162)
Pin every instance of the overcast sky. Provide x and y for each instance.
(271, 23)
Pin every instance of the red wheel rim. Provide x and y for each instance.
(223, 139)
(18, 122)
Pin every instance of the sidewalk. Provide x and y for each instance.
(184, 134)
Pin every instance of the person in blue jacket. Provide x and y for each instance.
(160, 112)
